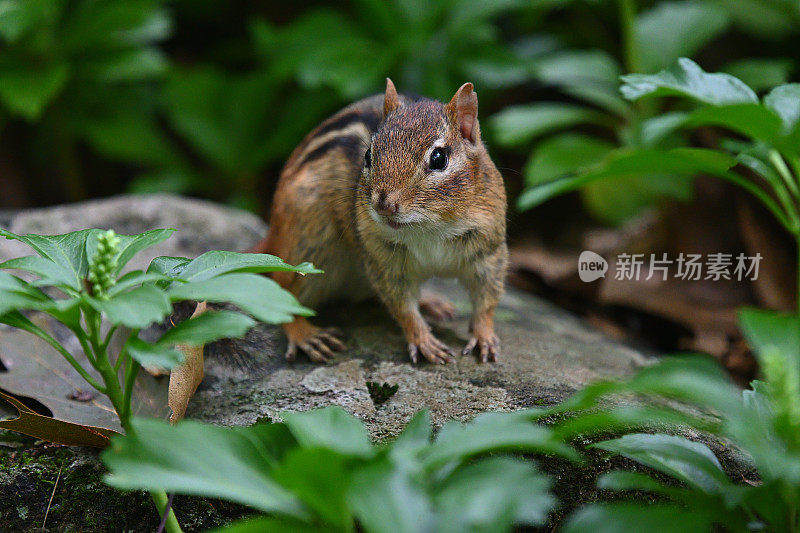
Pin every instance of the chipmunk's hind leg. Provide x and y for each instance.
(437, 307)
(318, 343)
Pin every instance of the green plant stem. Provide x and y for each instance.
(630, 48)
(110, 334)
(85, 345)
(131, 370)
(786, 174)
(121, 400)
(123, 353)
(68, 356)
(160, 500)
(763, 197)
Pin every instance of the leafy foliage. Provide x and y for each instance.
(610, 127)
(381, 392)
(318, 469)
(659, 36)
(85, 267)
(772, 126)
(759, 421)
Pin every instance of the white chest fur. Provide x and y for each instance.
(433, 253)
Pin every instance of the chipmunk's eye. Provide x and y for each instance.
(368, 159)
(438, 159)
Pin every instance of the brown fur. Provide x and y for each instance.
(326, 211)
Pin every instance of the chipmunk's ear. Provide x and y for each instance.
(390, 100)
(463, 112)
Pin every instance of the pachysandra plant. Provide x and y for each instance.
(318, 471)
(78, 282)
(762, 422)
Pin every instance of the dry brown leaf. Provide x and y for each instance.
(34, 369)
(53, 430)
(775, 286)
(185, 378)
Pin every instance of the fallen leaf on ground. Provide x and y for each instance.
(52, 429)
(186, 377)
(35, 370)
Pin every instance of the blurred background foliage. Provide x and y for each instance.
(207, 98)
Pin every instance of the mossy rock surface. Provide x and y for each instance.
(547, 355)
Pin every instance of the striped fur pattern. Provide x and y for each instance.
(382, 227)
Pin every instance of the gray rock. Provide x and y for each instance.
(547, 354)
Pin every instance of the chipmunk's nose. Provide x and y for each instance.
(385, 204)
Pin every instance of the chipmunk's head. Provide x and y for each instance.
(422, 165)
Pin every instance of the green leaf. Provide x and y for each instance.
(654, 130)
(320, 478)
(614, 199)
(202, 459)
(491, 432)
(576, 67)
(135, 309)
(761, 73)
(19, 17)
(215, 263)
(66, 311)
(564, 154)
(49, 272)
(676, 29)
(752, 120)
(691, 462)
(68, 251)
(617, 199)
(694, 379)
(625, 480)
(625, 418)
(129, 65)
(154, 355)
(620, 517)
(765, 19)
(493, 495)
(168, 266)
(635, 162)
(129, 245)
(135, 278)
(686, 78)
(516, 125)
(17, 294)
(208, 327)
(27, 89)
(386, 499)
(330, 427)
(785, 101)
(224, 117)
(268, 524)
(259, 296)
(415, 437)
(765, 330)
(130, 134)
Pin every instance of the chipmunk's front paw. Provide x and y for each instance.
(318, 343)
(431, 349)
(488, 344)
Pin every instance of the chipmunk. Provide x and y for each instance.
(383, 195)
